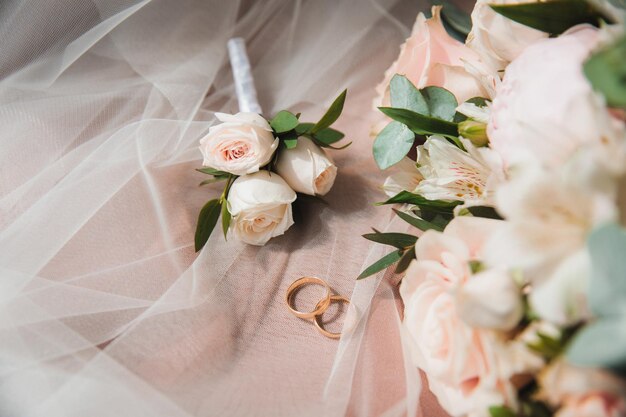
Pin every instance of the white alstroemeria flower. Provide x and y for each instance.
(406, 178)
(453, 174)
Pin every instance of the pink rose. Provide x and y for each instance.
(464, 365)
(430, 57)
(498, 40)
(582, 392)
(545, 109)
(593, 405)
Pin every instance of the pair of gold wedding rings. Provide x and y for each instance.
(321, 306)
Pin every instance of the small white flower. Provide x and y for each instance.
(453, 174)
(406, 178)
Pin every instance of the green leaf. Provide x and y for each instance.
(213, 180)
(398, 240)
(456, 18)
(226, 218)
(406, 197)
(392, 144)
(441, 103)
(421, 224)
(290, 143)
(600, 344)
(329, 136)
(381, 264)
(207, 219)
(606, 71)
(332, 114)
(214, 172)
(420, 124)
(607, 286)
(501, 411)
(303, 128)
(284, 121)
(404, 95)
(484, 211)
(553, 16)
(405, 260)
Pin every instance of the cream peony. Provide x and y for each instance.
(467, 368)
(307, 168)
(549, 215)
(240, 145)
(498, 40)
(431, 57)
(260, 205)
(582, 391)
(545, 108)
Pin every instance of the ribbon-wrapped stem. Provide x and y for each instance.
(244, 83)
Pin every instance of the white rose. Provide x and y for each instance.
(498, 40)
(260, 205)
(240, 145)
(491, 300)
(307, 168)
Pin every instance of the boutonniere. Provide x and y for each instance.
(263, 163)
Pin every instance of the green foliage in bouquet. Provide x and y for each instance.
(606, 70)
(554, 16)
(602, 343)
(429, 111)
(287, 127)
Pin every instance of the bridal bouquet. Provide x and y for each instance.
(515, 273)
(263, 164)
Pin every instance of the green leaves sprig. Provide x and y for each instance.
(287, 126)
(606, 70)
(554, 16)
(429, 111)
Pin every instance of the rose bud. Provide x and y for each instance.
(307, 168)
(242, 144)
(260, 205)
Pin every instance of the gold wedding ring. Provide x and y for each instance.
(317, 320)
(321, 306)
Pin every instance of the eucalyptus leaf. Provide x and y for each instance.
(226, 218)
(207, 219)
(553, 16)
(392, 144)
(284, 121)
(405, 260)
(441, 103)
(421, 224)
(601, 344)
(381, 264)
(606, 70)
(420, 124)
(398, 240)
(404, 95)
(332, 114)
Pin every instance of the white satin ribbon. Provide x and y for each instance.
(244, 83)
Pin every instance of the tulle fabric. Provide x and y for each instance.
(105, 309)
